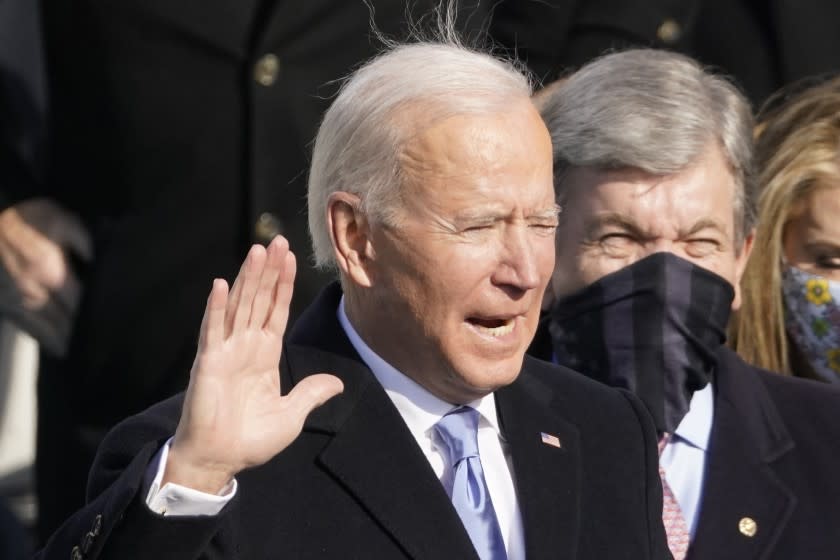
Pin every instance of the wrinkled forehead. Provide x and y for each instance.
(704, 192)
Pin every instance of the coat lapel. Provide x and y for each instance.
(547, 477)
(372, 453)
(376, 458)
(745, 505)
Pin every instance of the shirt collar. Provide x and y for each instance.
(696, 427)
(419, 408)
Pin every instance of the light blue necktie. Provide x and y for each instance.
(458, 432)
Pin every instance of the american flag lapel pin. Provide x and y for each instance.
(551, 440)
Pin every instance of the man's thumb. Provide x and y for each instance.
(312, 392)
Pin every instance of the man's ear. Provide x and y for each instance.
(350, 234)
(741, 260)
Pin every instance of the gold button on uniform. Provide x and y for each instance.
(669, 32)
(268, 226)
(748, 527)
(87, 542)
(266, 69)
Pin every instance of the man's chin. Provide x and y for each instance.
(486, 376)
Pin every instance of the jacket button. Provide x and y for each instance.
(748, 527)
(268, 226)
(669, 32)
(76, 553)
(87, 542)
(266, 70)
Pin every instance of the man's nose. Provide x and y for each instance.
(519, 262)
(659, 245)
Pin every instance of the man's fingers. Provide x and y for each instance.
(235, 296)
(31, 255)
(310, 393)
(212, 331)
(251, 281)
(34, 294)
(274, 263)
(282, 297)
(46, 263)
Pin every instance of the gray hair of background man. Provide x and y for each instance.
(381, 106)
(652, 110)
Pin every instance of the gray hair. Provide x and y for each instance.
(385, 103)
(652, 110)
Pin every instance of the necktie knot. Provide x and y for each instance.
(458, 432)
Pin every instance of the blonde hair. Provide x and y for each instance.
(797, 151)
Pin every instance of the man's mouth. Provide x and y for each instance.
(492, 327)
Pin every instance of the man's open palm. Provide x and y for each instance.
(234, 416)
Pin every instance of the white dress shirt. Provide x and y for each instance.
(684, 457)
(421, 411)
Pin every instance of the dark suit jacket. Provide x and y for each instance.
(356, 485)
(555, 37)
(766, 44)
(774, 455)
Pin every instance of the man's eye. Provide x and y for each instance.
(547, 228)
(616, 239)
(616, 244)
(476, 228)
(702, 247)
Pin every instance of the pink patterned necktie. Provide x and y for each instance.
(676, 528)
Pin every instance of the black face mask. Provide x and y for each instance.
(653, 327)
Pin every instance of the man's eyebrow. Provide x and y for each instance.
(705, 223)
(490, 215)
(479, 215)
(546, 213)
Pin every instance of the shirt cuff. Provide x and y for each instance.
(176, 500)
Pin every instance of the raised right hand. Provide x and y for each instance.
(234, 416)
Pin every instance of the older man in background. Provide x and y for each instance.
(653, 167)
(430, 194)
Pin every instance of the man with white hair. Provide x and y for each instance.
(430, 194)
(653, 164)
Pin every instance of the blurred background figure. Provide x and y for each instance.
(790, 318)
(765, 44)
(22, 105)
(555, 37)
